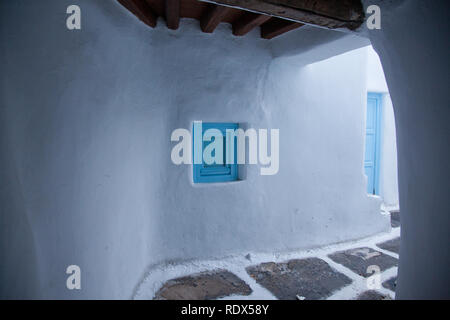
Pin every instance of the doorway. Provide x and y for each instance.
(373, 141)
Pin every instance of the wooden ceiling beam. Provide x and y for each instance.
(172, 14)
(274, 27)
(142, 10)
(248, 22)
(330, 14)
(212, 18)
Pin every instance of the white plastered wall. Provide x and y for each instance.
(86, 119)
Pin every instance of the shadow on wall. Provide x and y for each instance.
(19, 272)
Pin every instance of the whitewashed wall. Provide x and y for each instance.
(416, 64)
(86, 118)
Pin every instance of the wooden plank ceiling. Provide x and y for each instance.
(274, 17)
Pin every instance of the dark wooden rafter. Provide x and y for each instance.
(248, 22)
(330, 14)
(142, 10)
(213, 17)
(275, 27)
(274, 17)
(173, 14)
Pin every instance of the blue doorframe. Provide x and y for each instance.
(373, 142)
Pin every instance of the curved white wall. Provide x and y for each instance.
(415, 61)
(86, 118)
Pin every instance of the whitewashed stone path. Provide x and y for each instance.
(363, 269)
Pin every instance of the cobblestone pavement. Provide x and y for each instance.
(362, 270)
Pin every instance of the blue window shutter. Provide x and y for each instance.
(204, 173)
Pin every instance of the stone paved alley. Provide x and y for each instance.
(364, 269)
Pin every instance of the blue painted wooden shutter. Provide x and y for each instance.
(217, 172)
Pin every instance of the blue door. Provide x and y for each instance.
(373, 137)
